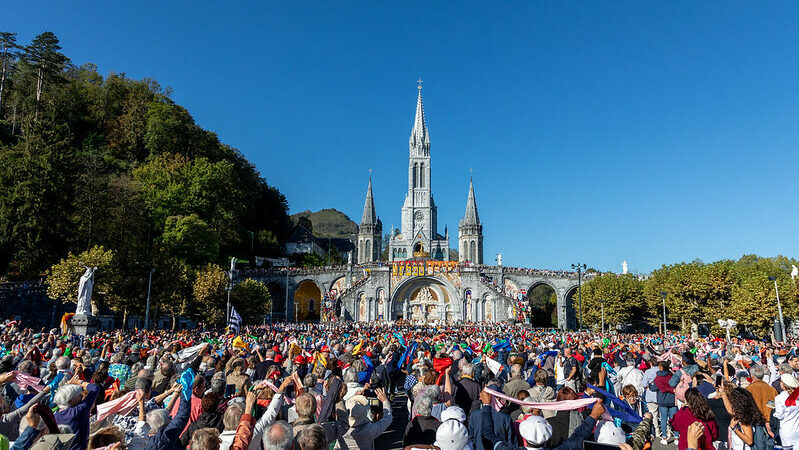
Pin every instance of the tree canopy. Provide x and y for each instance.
(90, 162)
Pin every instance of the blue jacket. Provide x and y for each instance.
(168, 437)
(500, 426)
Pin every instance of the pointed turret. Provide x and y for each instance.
(471, 217)
(419, 141)
(369, 217)
(370, 231)
(470, 231)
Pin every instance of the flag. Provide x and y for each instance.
(235, 321)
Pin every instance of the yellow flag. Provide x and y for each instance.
(357, 348)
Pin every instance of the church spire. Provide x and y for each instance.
(419, 141)
(471, 217)
(369, 217)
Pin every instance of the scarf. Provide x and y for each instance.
(563, 405)
(440, 365)
(626, 414)
(25, 381)
(123, 405)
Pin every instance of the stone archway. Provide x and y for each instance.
(307, 302)
(542, 300)
(425, 299)
(570, 304)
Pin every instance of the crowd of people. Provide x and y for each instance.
(341, 386)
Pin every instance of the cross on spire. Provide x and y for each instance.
(419, 83)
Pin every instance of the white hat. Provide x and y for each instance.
(551, 345)
(452, 435)
(608, 433)
(359, 410)
(535, 430)
(789, 380)
(453, 412)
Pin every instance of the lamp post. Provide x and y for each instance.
(664, 294)
(602, 305)
(147, 309)
(580, 267)
(230, 287)
(783, 331)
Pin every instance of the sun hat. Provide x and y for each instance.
(452, 435)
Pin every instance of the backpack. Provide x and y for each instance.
(682, 386)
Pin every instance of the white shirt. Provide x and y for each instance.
(789, 420)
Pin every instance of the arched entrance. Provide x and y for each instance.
(572, 309)
(543, 305)
(307, 302)
(426, 299)
(278, 293)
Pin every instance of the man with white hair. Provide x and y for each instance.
(516, 383)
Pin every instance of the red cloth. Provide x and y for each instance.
(662, 382)
(791, 400)
(680, 422)
(440, 365)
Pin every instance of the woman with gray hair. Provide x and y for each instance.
(74, 411)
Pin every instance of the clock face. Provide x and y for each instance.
(418, 216)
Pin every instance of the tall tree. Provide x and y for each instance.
(44, 55)
(9, 51)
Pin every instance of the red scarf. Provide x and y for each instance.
(441, 364)
(791, 400)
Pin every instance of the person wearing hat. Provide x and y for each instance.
(535, 430)
(787, 411)
(363, 430)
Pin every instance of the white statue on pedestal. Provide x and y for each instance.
(85, 292)
(349, 258)
(794, 272)
(624, 267)
(499, 259)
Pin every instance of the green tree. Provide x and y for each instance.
(621, 296)
(9, 51)
(251, 299)
(209, 294)
(189, 238)
(45, 57)
(62, 279)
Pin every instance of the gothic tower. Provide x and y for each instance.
(419, 231)
(470, 232)
(370, 232)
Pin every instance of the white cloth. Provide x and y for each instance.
(631, 375)
(186, 356)
(735, 443)
(789, 420)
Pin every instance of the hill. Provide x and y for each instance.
(329, 223)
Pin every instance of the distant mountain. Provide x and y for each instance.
(329, 223)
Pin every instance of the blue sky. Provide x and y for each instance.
(655, 132)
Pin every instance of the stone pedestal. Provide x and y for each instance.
(84, 325)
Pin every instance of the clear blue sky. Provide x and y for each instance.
(655, 132)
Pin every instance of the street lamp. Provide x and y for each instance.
(602, 304)
(664, 294)
(779, 308)
(580, 267)
(147, 309)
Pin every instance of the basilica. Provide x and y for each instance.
(418, 238)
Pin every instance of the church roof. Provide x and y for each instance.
(471, 217)
(419, 134)
(369, 217)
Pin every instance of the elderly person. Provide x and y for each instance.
(541, 393)
(231, 420)
(162, 377)
(363, 431)
(209, 418)
(75, 409)
(422, 428)
(118, 369)
(517, 383)
(787, 411)
(10, 420)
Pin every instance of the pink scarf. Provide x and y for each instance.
(563, 405)
(25, 381)
(123, 405)
(289, 401)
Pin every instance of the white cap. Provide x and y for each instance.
(453, 412)
(608, 433)
(452, 435)
(789, 380)
(535, 430)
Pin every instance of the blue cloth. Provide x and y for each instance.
(626, 414)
